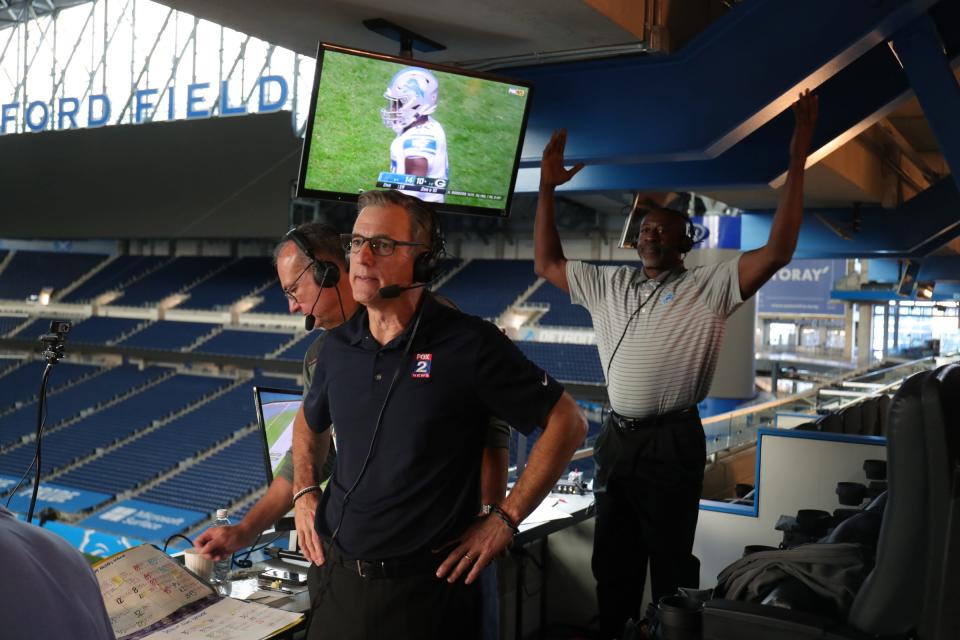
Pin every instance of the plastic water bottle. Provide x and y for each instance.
(221, 567)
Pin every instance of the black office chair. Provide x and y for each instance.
(831, 423)
(883, 413)
(852, 419)
(892, 599)
(869, 418)
(941, 416)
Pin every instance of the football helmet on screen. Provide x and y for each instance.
(411, 93)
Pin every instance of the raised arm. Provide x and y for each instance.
(759, 265)
(308, 447)
(563, 432)
(549, 261)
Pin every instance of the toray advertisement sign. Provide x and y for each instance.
(803, 286)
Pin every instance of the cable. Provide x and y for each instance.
(340, 300)
(627, 325)
(41, 418)
(245, 562)
(176, 535)
(376, 429)
(29, 468)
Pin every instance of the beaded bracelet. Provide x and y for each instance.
(305, 491)
(500, 513)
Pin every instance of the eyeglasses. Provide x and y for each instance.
(289, 292)
(379, 246)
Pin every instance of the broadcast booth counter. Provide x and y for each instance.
(154, 152)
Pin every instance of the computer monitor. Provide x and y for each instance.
(276, 409)
(445, 135)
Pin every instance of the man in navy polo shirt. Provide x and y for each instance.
(409, 384)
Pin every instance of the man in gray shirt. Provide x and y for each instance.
(659, 329)
(47, 590)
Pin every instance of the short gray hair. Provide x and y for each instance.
(422, 216)
(322, 239)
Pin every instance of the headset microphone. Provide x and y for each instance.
(309, 321)
(394, 290)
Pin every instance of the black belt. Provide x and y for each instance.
(414, 565)
(636, 424)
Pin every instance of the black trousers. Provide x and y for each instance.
(346, 606)
(648, 485)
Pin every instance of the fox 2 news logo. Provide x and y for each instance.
(421, 365)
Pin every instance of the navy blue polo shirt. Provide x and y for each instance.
(422, 484)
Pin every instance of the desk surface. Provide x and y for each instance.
(546, 518)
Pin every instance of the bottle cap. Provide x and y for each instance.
(221, 514)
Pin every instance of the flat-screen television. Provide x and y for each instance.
(445, 135)
(908, 279)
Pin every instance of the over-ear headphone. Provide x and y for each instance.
(425, 264)
(689, 234)
(325, 273)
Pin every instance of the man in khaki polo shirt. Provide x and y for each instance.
(659, 329)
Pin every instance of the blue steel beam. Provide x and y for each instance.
(922, 53)
(850, 101)
(936, 268)
(940, 293)
(912, 230)
(735, 77)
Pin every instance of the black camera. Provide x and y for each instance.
(59, 326)
(54, 340)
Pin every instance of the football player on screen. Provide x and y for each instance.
(420, 148)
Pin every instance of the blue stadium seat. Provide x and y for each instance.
(245, 343)
(169, 279)
(230, 285)
(218, 481)
(36, 328)
(28, 272)
(578, 363)
(298, 349)
(273, 302)
(20, 384)
(101, 330)
(486, 288)
(169, 335)
(562, 312)
(122, 271)
(112, 424)
(163, 449)
(9, 323)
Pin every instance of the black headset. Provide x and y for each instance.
(325, 273)
(425, 264)
(689, 234)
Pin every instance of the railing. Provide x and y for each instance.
(739, 427)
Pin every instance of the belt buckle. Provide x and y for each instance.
(360, 564)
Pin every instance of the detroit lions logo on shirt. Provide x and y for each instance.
(667, 298)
